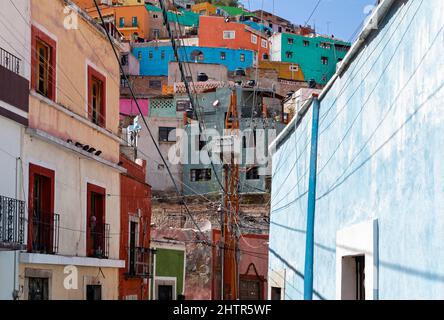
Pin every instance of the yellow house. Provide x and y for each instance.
(204, 8)
(71, 159)
(285, 70)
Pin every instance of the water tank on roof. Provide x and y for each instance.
(202, 77)
(240, 72)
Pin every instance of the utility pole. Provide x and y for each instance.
(222, 246)
(231, 205)
(309, 245)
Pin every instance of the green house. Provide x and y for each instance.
(317, 56)
(169, 260)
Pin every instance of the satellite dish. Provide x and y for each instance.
(216, 103)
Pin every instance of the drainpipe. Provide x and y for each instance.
(309, 245)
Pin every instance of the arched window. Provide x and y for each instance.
(197, 55)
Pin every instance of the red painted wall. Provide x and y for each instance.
(254, 256)
(211, 30)
(134, 194)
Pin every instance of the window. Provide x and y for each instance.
(250, 289)
(197, 55)
(167, 134)
(139, 55)
(254, 39)
(41, 209)
(124, 60)
(150, 55)
(228, 35)
(133, 243)
(96, 97)
(306, 43)
(264, 43)
(200, 175)
(222, 55)
(265, 56)
(325, 45)
(294, 68)
(156, 33)
(290, 40)
(253, 173)
(155, 16)
(280, 29)
(165, 292)
(276, 293)
(135, 22)
(97, 230)
(122, 22)
(155, 84)
(289, 54)
(353, 269)
(93, 292)
(242, 57)
(162, 55)
(38, 289)
(43, 77)
(324, 60)
(182, 105)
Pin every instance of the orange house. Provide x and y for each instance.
(131, 20)
(215, 32)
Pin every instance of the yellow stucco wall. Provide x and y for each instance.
(76, 49)
(106, 277)
(204, 6)
(284, 70)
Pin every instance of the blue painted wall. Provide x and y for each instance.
(157, 64)
(380, 156)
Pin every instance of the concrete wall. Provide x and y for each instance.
(157, 174)
(215, 72)
(379, 168)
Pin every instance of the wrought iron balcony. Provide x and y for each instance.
(99, 239)
(44, 232)
(139, 262)
(12, 223)
(10, 61)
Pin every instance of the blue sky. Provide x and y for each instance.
(338, 17)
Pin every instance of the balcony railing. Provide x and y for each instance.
(99, 241)
(139, 262)
(45, 230)
(10, 61)
(12, 223)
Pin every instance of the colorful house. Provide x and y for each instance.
(204, 8)
(317, 55)
(135, 226)
(216, 32)
(70, 161)
(15, 76)
(169, 259)
(154, 57)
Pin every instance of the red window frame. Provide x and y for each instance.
(50, 174)
(92, 73)
(38, 35)
(90, 189)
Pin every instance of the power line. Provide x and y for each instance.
(143, 118)
(312, 13)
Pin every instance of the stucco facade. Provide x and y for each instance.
(379, 178)
(61, 159)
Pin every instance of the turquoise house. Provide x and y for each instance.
(317, 56)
